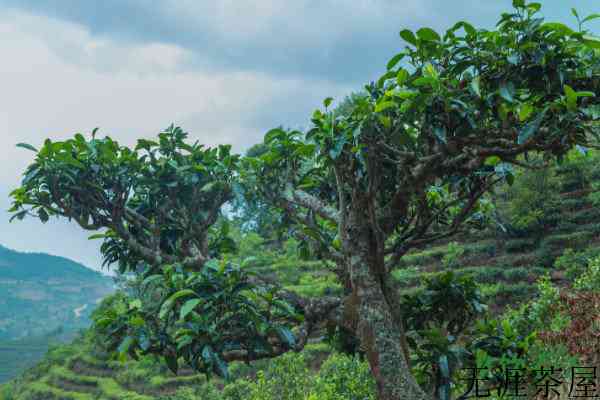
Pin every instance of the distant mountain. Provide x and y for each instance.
(40, 293)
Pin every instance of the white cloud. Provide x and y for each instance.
(56, 80)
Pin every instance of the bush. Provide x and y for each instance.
(520, 245)
(286, 378)
(238, 390)
(575, 262)
(344, 378)
(6, 392)
(515, 274)
(585, 216)
(575, 240)
(590, 279)
(573, 204)
(453, 254)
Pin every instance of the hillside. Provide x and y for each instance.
(506, 259)
(43, 298)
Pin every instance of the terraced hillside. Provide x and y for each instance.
(72, 372)
(78, 372)
(506, 264)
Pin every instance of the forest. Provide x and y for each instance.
(434, 235)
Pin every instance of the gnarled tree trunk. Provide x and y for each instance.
(382, 342)
(378, 326)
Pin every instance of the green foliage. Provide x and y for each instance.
(520, 245)
(594, 196)
(7, 392)
(436, 318)
(575, 262)
(453, 254)
(201, 316)
(590, 278)
(342, 377)
(531, 202)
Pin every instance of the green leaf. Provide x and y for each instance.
(43, 215)
(168, 304)
(571, 98)
(475, 85)
(395, 60)
(525, 111)
(385, 77)
(574, 12)
(531, 128)
(135, 304)
(586, 94)
(384, 106)
(591, 41)
(510, 179)
(492, 161)
(402, 76)
(424, 81)
(557, 27)
(327, 101)
(97, 236)
(405, 94)
(274, 134)
(220, 366)
(125, 345)
(469, 29)
(408, 36)
(27, 146)
(430, 71)
(507, 91)
(440, 133)
(590, 18)
(188, 307)
(535, 7)
(20, 215)
(286, 336)
(151, 278)
(428, 34)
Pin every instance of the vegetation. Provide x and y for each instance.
(43, 299)
(409, 164)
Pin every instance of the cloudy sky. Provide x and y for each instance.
(225, 70)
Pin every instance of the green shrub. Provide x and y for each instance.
(575, 240)
(515, 274)
(486, 274)
(585, 216)
(342, 377)
(574, 262)
(520, 245)
(407, 276)
(590, 279)
(286, 378)
(594, 196)
(573, 204)
(7, 392)
(453, 254)
(237, 390)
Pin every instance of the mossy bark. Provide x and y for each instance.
(378, 324)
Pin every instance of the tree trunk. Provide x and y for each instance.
(382, 343)
(380, 334)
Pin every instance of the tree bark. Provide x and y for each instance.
(382, 343)
(376, 326)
